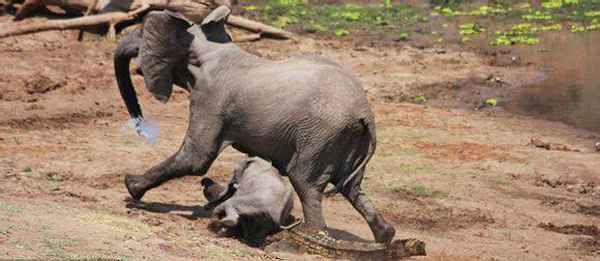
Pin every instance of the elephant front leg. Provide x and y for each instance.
(200, 148)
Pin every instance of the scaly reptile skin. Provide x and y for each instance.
(322, 244)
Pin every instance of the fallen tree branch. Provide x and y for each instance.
(66, 24)
(75, 23)
(113, 18)
(257, 27)
(76, 6)
(247, 38)
(539, 143)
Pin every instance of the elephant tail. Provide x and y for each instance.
(372, 143)
(128, 48)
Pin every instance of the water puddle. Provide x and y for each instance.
(570, 90)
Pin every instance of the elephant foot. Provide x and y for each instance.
(136, 186)
(384, 233)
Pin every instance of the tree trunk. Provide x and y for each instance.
(112, 18)
(66, 24)
(257, 27)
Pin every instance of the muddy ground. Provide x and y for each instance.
(465, 181)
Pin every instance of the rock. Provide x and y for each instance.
(596, 190)
(581, 188)
(584, 188)
(552, 180)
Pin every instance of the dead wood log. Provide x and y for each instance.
(247, 38)
(113, 18)
(67, 24)
(31, 5)
(257, 27)
(76, 6)
(539, 143)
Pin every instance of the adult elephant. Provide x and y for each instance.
(307, 115)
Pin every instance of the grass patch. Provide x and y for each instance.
(531, 21)
(28, 172)
(397, 21)
(9, 209)
(115, 222)
(56, 248)
(340, 20)
(414, 168)
(419, 190)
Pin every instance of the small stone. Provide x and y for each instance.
(570, 188)
(552, 181)
(582, 188)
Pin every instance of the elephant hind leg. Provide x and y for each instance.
(310, 193)
(383, 231)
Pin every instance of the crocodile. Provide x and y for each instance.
(321, 243)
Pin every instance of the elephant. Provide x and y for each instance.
(307, 115)
(259, 204)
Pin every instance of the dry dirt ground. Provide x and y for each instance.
(466, 182)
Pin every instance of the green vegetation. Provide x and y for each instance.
(404, 36)
(508, 22)
(7, 208)
(418, 190)
(115, 222)
(340, 20)
(28, 172)
(468, 30)
(420, 99)
(551, 15)
(491, 102)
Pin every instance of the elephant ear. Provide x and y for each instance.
(213, 26)
(165, 44)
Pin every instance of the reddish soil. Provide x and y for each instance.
(467, 182)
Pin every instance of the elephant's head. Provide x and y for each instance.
(251, 165)
(163, 46)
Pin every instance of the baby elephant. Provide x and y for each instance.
(257, 201)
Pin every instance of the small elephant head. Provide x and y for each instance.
(249, 166)
(163, 47)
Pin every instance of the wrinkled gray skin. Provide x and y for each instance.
(307, 115)
(261, 203)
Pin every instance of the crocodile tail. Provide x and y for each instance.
(372, 143)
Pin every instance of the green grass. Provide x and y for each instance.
(9, 209)
(115, 222)
(419, 190)
(339, 20)
(531, 22)
(398, 20)
(414, 168)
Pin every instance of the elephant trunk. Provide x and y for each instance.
(127, 49)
